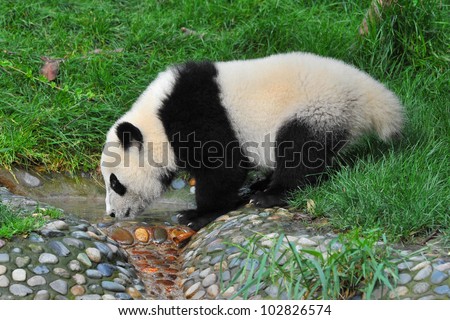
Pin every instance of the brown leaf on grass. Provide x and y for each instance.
(50, 68)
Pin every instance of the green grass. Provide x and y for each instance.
(13, 222)
(401, 188)
(351, 265)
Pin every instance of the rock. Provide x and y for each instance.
(404, 278)
(42, 295)
(36, 281)
(28, 179)
(104, 249)
(20, 290)
(80, 235)
(95, 236)
(209, 280)
(16, 250)
(445, 289)
(198, 295)
(74, 265)
(94, 274)
(4, 281)
(77, 290)
(204, 273)
(443, 267)
(178, 184)
(84, 259)
(112, 286)
(213, 291)
(405, 265)
(229, 292)
(421, 287)
(72, 242)
(89, 297)
(22, 261)
(34, 237)
(192, 190)
(122, 236)
(35, 248)
(3, 269)
(61, 272)
(57, 225)
(19, 275)
(95, 289)
(41, 270)
(123, 296)
(159, 235)
(94, 254)
(4, 257)
(79, 278)
(225, 276)
(192, 290)
(398, 292)
(108, 297)
(306, 242)
(2, 243)
(135, 294)
(49, 233)
(106, 269)
(141, 235)
(215, 246)
(48, 258)
(423, 273)
(272, 291)
(421, 265)
(438, 276)
(60, 286)
(58, 248)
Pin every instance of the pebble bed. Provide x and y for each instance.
(72, 259)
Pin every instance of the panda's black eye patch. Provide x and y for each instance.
(116, 185)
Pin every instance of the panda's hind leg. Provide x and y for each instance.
(302, 156)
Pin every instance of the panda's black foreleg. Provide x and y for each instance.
(302, 156)
(216, 193)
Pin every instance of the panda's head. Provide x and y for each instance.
(135, 168)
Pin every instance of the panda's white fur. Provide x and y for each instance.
(258, 97)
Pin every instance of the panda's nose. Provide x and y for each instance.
(112, 214)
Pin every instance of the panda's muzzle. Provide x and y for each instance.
(112, 214)
(126, 215)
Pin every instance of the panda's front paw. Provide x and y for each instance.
(267, 200)
(187, 217)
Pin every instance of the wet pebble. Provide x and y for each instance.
(61, 272)
(192, 290)
(22, 261)
(105, 269)
(57, 225)
(94, 274)
(104, 249)
(96, 289)
(404, 278)
(3, 269)
(42, 295)
(48, 258)
(49, 233)
(141, 235)
(213, 291)
(159, 235)
(2, 243)
(122, 296)
(421, 287)
(4, 257)
(112, 286)
(77, 290)
(60, 286)
(19, 275)
(405, 265)
(445, 289)
(94, 254)
(178, 184)
(84, 259)
(59, 248)
(122, 236)
(423, 273)
(35, 248)
(89, 297)
(438, 277)
(209, 280)
(79, 278)
(80, 235)
(34, 237)
(72, 242)
(36, 281)
(20, 290)
(41, 270)
(4, 281)
(74, 265)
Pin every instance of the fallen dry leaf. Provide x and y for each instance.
(50, 68)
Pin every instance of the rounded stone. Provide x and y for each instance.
(159, 235)
(42, 295)
(443, 267)
(61, 272)
(198, 295)
(79, 278)
(404, 278)
(89, 297)
(104, 249)
(19, 275)
(74, 265)
(59, 248)
(442, 289)
(94, 274)
(106, 269)
(96, 289)
(108, 297)
(405, 265)
(20, 290)
(60, 286)
(178, 184)
(113, 286)
(192, 290)
(57, 225)
(72, 242)
(51, 233)
(4, 281)
(3, 269)
(34, 237)
(94, 254)
(141, 235)
(123, 296)
(2, 243)
(41, 270)
(48, 258)
(423, 273)
(229, 292)
(28, 179)
(80, 235)
(438, 277)
(122, 236)
(77, 290)
(213, 291)
(35, 248)
(204, 273)
(36, 281)
(421, 265)
(22, 261)
(398, 292)
(4, 257)
(84, 259)
(209, 280)
(421, 287)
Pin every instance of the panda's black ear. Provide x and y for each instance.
(128, 135)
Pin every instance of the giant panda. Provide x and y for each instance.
(286, 114)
